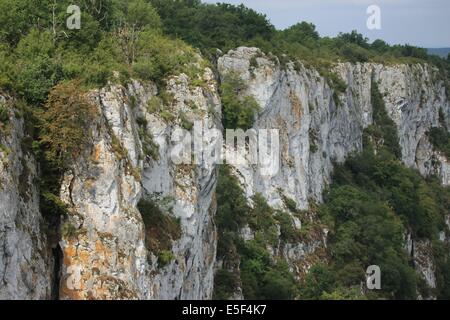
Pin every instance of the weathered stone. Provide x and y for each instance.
(26, 264)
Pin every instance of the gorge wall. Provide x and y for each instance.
(319, 128)
(104, 240)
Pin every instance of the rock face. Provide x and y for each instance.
(134, 154)
(192, 185)
(413, 96)
(26, 264)
(314, 131)
(317, 128)
(105, 256)
(298, 104)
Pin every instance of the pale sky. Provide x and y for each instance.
(424, 23)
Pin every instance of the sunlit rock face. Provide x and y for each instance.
(106, 256)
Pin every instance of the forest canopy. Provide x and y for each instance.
(153, 38)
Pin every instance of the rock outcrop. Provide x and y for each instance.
(414, 95)
(26, 263)
(105, 256)
(315, 130)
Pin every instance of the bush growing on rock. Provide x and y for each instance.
(161, 227)
(65, 123)
(4, 114)
(239, 110)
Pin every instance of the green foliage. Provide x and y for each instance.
(261, 220)
(261, 277)
(232, 205)
(239, 111)
(224, 26)
(15, 19)
(126, 36)
(96, 68)
(440, 139)
(302, 32)
(149, 147)
(154, 104)
(355, 38)
(442, 261)
(254, 63)
(65, 123)
(37, 71)
(161, 227)
(212, 26)
(336, 82)
(4, 115)
(290, 204)
(6, 67)
(384, 131)
(373, 200)
(140, 14)
(118, 40)
(313, 141)
(354, 53)
(167, 115)
(287, 231)
(225, 283)
(319, 280)
(157, 56)
(45, 51)
(50, 204)
(353, 293)
(164, 258)
(68, 230)
(185, 122)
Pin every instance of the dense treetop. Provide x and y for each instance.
(139, 38)
(224, 26)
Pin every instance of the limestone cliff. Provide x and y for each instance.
(319, 126)
(316, 130)
(26, 264)
(104, 239)
(105, 257)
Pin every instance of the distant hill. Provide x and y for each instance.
(442, 52)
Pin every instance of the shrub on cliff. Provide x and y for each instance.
(383, 124)
(4, 114)
(239, 109)
(440, 139)
(65, 123)
(261, 277)
(161, 227)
